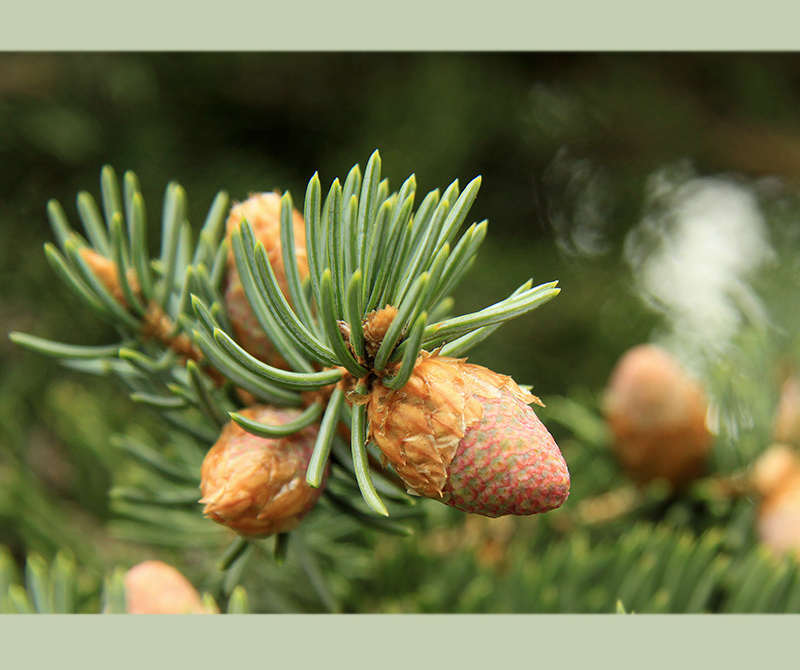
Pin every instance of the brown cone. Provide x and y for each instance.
(255, 485)
(657, 416)
(263, 212)
(776, 477)
(106, 271)
(154, 587)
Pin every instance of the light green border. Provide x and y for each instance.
(397, 641)
(364, 25)
(517, 641)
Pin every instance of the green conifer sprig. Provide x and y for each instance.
(154, 291)
(154, 359)
(157, 505)
(367, 249)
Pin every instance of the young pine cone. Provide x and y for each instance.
(154, 587)
(657, 416)
(263, 212)
(466, 436)
(255, 485)
(776, 477)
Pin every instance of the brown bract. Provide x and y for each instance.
(418, 427)
(657, 416)
(255, 485)
(154, 587)
(375, 325)
(263, 212)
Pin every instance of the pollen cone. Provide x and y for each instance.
(255, 485)
(657, 416)
(776, 476)
(154, 587)
(466, 436)
(263, 212)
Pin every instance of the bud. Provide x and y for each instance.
(154, 587)
(263, 212)
(466, 436)
(255, 485)
(657, 416)
(376, 324)
(776, 477)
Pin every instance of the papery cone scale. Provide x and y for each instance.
(787, 417)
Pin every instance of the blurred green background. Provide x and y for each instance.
(567, 145)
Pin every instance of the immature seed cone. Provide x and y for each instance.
(657, 416)
(776, 477)
(154, 587)
(255, 485)
(466, 436)
(263, 212)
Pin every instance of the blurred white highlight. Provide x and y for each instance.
(693, 255)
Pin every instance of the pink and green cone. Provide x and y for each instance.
(466, 436)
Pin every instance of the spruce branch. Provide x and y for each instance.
(377, 271)
(146, 298)
(373, 301)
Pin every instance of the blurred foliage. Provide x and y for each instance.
(566, 144)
